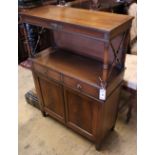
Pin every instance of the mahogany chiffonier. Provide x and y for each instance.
(78, 78)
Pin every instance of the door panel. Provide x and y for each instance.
(81, 113)
(52, 95)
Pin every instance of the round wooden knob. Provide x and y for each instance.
(79, 86)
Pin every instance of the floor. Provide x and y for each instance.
(44, 136)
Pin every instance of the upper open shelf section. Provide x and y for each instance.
(98, 35)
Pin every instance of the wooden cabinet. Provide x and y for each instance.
(86, 57)
(69, 92)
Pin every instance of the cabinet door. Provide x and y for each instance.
(52, 96)
(81, 113)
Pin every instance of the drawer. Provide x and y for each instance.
(81, 86)
(35, 21)
(47, 72)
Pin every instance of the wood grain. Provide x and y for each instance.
(86, 18)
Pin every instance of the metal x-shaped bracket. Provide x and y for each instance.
(38, 40)
(116, 59)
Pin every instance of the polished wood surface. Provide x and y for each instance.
(70, 93)
(52, 95)
(85, 18)
(74, 71)
(67, 85)
(82, 45)
(87, 111)
(107, 115)
(98, 35)
(71, 64)
(69, 75)
(87, 116)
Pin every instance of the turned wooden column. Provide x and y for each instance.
(105, 62)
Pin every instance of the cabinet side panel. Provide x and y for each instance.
(111, 109)
(107, 117)
(37, 87)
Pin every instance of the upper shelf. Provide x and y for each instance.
(101, 21)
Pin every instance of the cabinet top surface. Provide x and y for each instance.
(86, 18)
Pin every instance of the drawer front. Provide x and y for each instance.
(81, 86)
(47, 72)
(35, 21)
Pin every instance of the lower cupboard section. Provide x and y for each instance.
(87, 116)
